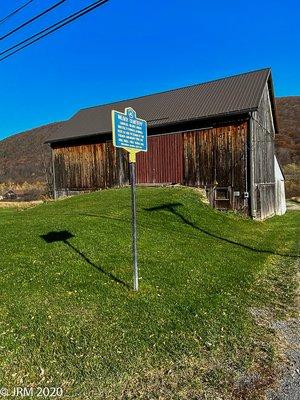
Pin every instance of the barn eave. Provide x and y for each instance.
(239, 113)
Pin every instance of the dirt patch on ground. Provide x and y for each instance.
(19, 204)
(293, 205)
(286, 385)
(289, 385)
(288, 333)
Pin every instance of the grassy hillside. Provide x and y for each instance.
(69, 318)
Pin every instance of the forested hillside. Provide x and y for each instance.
(24, 157)
(288, 142)
(288, 138)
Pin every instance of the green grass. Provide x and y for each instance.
(68, 317)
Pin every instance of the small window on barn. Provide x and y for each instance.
(222, 193)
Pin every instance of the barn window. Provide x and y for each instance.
(222, 194)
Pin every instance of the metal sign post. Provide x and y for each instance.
(130, 133)
(133, 221)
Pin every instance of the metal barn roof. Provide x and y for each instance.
(235, 94)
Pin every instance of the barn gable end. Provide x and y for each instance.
(263, 150)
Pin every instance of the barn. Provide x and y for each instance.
(217, 135)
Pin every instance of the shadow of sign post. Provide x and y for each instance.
(64, 237)
(173, 209)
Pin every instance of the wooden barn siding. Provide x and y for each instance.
(207, 158)
(217, 157)
(264, 172)
(88, 167)
(92, 166)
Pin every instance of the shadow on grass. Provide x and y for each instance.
(172, 208)
(64, 236)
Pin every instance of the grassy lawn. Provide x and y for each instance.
(68, 317)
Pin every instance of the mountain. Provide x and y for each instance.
(24, 157)
(288, 138)
(288, 142)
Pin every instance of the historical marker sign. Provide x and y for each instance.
(130, 133)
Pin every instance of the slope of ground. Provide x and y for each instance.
(69, 318)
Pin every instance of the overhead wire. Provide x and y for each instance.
(15, 12)
(32, 19)
(49, 30)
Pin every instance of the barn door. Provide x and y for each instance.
(163, 162)
(216, 159)
(223, 195)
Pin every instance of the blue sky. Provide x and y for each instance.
(128, 48)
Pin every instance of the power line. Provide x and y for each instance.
(32, 19)
(47, 31)
(15, 12)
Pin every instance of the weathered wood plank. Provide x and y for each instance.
(209, 158)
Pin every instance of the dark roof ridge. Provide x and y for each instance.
(223, 96)
(173, 90)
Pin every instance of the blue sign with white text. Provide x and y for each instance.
(129, 132)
